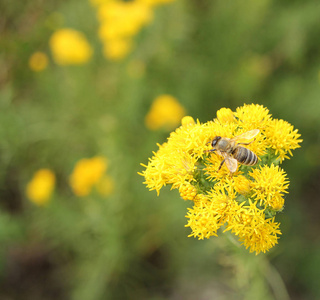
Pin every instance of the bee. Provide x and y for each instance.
(232, 152)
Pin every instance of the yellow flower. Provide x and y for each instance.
(119, 22)
(206, 217)
(38, 61)
(269, 185)
(165, 112)
(281, 137)
(40, 188)
(225, 115)
(87, 173)
(116, 49)
(155, 2)
(255, 231)
(176, 168)
(242, 185)
(70, 47)
(187, 191)
(203, 221)
(187, 121)
(246, 202)
(252, 116)
(122, 19)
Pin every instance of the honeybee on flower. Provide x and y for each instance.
(232, 152)
(245, 203)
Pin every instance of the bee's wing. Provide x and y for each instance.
(231, 163)
(246, 135)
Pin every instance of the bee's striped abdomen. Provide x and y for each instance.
(245, 156)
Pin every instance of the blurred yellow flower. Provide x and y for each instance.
(70, 47)
(120, 21)
(38, 61)
(40, 188)
(155, 2)
(245, 203)
(165, 112)
(86, 173)
(116, 49)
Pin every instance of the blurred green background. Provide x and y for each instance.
(132, 244)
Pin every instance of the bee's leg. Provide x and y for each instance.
(211, 150)
(221, 165)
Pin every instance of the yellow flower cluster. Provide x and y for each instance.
(165, 112)
(70, 47)
(90, 172)
(244, 202)
(120, 21)
(41, 186)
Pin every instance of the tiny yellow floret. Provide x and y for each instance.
(187, 121)
(242, 185)
(225, 115)
(187, 191)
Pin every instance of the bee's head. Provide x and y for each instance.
(215, 141)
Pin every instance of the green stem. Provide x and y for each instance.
(275, 281)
